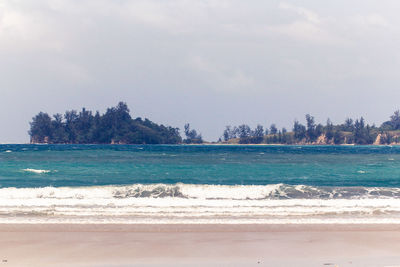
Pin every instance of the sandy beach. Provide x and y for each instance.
(199, 245)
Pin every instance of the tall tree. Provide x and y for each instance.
(329, 133)
(192, 137)
(229, 133)
(41, 128)
(395, 120)
(311, 133)
(258, 134)
(349, 125)
(58, 134)
(273, 129)
(244, 131)
(299, 131)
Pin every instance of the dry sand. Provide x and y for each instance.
(199, 245)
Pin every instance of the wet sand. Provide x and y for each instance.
(199, 245)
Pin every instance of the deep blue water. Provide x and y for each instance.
(88, 165)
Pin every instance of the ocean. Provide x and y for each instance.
(199, 184)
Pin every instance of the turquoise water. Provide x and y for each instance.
(199, 184)
(88, 165)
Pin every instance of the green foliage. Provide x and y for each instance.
(191, 136)
(338, 138)
(115, 126)
(311, 132)
(386, 138)
(348, 125)
(244, 132)
(393, 123)
(362, 134)
(248, 136)
(41, 127)
(350, 132)
(273, 129)
(258, 134)
(329, 132)
(299, 131)
(230, 133)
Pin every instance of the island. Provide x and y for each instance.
(116, 126)
(351, 132)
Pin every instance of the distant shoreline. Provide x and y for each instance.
(202, 144)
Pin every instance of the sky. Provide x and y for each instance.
(211, 63)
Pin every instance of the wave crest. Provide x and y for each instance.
(207, 192)
(189, 203)
(252, 192)
(38, 171)
(157, 191)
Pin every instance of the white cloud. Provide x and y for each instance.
(304, 12)
(309, 32)
(14, 24)
(199, 47)
(308, 27)
(374, 20)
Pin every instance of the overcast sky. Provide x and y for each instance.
(208, 62)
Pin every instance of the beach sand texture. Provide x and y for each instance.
(199, 245)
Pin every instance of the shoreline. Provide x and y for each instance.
(199, 245)
(201, 227)
(209, 144)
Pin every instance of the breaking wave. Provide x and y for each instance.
(189, 203)
(210, 192)
(36, 171)
(253, 192)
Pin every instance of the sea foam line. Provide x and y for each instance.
(188, 203)
(36, 170)
(200, 191)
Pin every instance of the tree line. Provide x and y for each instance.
(350, 132)
(115, 126)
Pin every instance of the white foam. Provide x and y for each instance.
(183, 203)
(36, 171)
